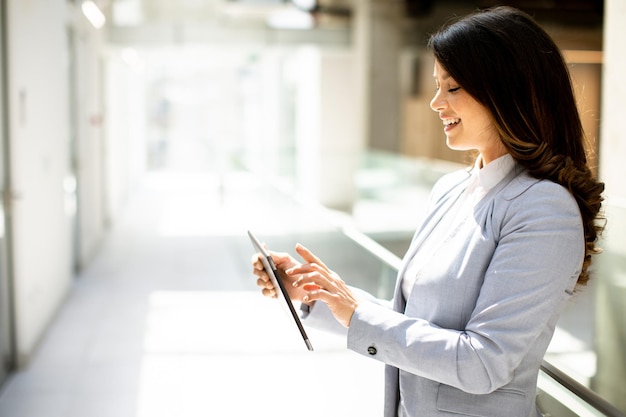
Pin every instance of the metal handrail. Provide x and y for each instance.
(580, 390)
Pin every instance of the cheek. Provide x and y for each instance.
(487, 125)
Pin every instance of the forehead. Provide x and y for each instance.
(439, 72)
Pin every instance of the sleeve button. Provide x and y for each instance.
(372, 350)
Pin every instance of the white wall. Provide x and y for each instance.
(328, 144)
(89, 122)
(306, 109)
(613, 143)
(339, 140)
(40, 132)
(124, 143)
(39, 142)
(610, 331)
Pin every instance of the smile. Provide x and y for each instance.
(448, 122)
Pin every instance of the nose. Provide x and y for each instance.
(438, 103)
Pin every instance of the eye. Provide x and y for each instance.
(452, 90)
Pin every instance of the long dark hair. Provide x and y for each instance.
(509, 64)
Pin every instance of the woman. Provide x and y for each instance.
(503, 246)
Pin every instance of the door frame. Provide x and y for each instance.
(8, 347)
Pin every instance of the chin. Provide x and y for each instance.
(455, 146)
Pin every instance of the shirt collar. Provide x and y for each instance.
(494, 172)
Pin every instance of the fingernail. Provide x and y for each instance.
(295, 283)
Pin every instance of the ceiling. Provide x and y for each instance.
(134, 12)
(569, 11)
(329, 21)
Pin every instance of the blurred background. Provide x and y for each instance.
(142, 138)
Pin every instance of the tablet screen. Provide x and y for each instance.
(281, 291)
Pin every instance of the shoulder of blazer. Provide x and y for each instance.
(519, 181)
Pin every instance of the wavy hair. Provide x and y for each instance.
(509, 64)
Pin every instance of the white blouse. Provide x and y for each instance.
(481, 181)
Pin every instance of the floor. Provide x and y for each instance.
(166, 321)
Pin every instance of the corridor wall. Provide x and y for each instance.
(38, 110)
(44, 130)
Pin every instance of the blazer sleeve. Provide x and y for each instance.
(533, 269)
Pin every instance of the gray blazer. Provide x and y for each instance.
(470, 338)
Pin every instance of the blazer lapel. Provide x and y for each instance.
(430, 222)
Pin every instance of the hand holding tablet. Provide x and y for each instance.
(279, 287)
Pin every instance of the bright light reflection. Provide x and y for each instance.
(217, 354)
(205, 204)
(290, 19)
(93, 14)
(132, 59)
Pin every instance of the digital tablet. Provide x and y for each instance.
(282, 294)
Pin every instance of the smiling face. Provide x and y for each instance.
(467, 123)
